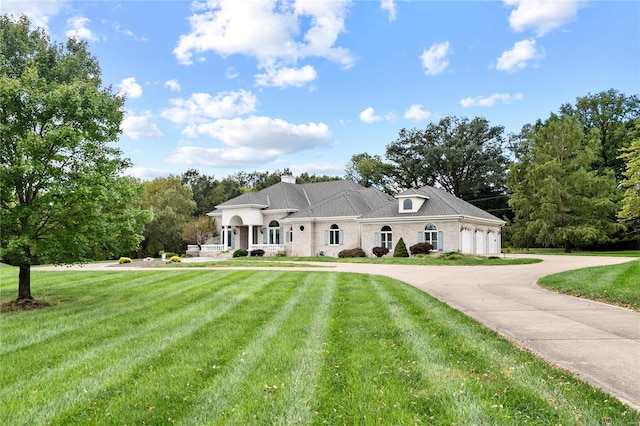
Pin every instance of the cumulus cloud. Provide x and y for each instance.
(522, 53)
(146, 173)
(285, 77)
(202, 107)
(276, 34)
(390, 7)
(415, 112)
(250, 141)
(369, 116)
(77, 27)
(541, 15)
(488, 101)
(264, 132)
(129, 88)
(39, 13)
(434, 60)
(173, 85)
(140, 126)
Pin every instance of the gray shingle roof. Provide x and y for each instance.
(347, 198)
(440, 203)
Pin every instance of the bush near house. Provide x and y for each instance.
(257, 252)
(124, 260)
(401, 249)
(380, 251)
(175, 259)
(354, 252)
(240, 253)
(420, 248)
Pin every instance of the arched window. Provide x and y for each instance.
(334, 235)
(386, 236)
(431, 235)
(274, 232)
(407, 204)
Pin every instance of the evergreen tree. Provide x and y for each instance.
(401, 249)
(559, 199)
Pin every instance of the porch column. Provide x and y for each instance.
(224, 237)
(250, 237)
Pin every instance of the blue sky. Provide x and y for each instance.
(230, 85)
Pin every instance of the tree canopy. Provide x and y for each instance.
(63, 197)
(559, 198)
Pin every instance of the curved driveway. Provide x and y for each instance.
(598, 342)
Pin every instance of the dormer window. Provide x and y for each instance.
(407, 204)
(410, 203)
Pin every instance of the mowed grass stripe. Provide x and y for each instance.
(505, 384)
(109, 362)
(167, 384)
(281, 388)
(56, 323)
(215, 403)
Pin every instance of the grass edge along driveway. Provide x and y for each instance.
(270, 347)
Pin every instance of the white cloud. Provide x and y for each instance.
(127, 32)
(277, 34)
(264, 133)
(285, 77)
(219, 157)
(390, 7)
(77, 27)
(39, 13)
(415, 112)
(542, 15)
(369, 116)
(519, 56)
(129, 88)
(145, 173)
(251, 141)
(505, 98)
(173, 85)
(201, 107)
(435, 59)
(232, 73)
(140, 126)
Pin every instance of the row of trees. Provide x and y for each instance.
(559, 182)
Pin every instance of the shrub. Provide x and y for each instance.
(420, 248)
(354, 252)
(380, 251)
(240, 253)
(451, 255)
(401, 249)
(175, 259)
(124, 260)
(281, 254)
(257, 252)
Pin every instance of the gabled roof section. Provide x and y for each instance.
(439, 203)
(290, 196)
(346, 203)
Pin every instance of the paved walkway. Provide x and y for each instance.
(598, 342)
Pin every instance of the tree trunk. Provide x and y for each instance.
(24, 283)
(567, 246)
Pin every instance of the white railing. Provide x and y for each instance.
(270, 248)
(216, 248)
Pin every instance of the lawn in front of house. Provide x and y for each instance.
(269, 347)
(616, 284)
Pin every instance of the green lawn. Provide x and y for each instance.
(558, 251)
(617, 284)
(269, 347)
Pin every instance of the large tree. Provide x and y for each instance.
(612, 115)
(172, 205)
(62, 197)
(631, 202)
(559, 197)
(460, 155)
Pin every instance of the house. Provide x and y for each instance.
(325, 218)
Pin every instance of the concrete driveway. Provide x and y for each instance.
(598, 342)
